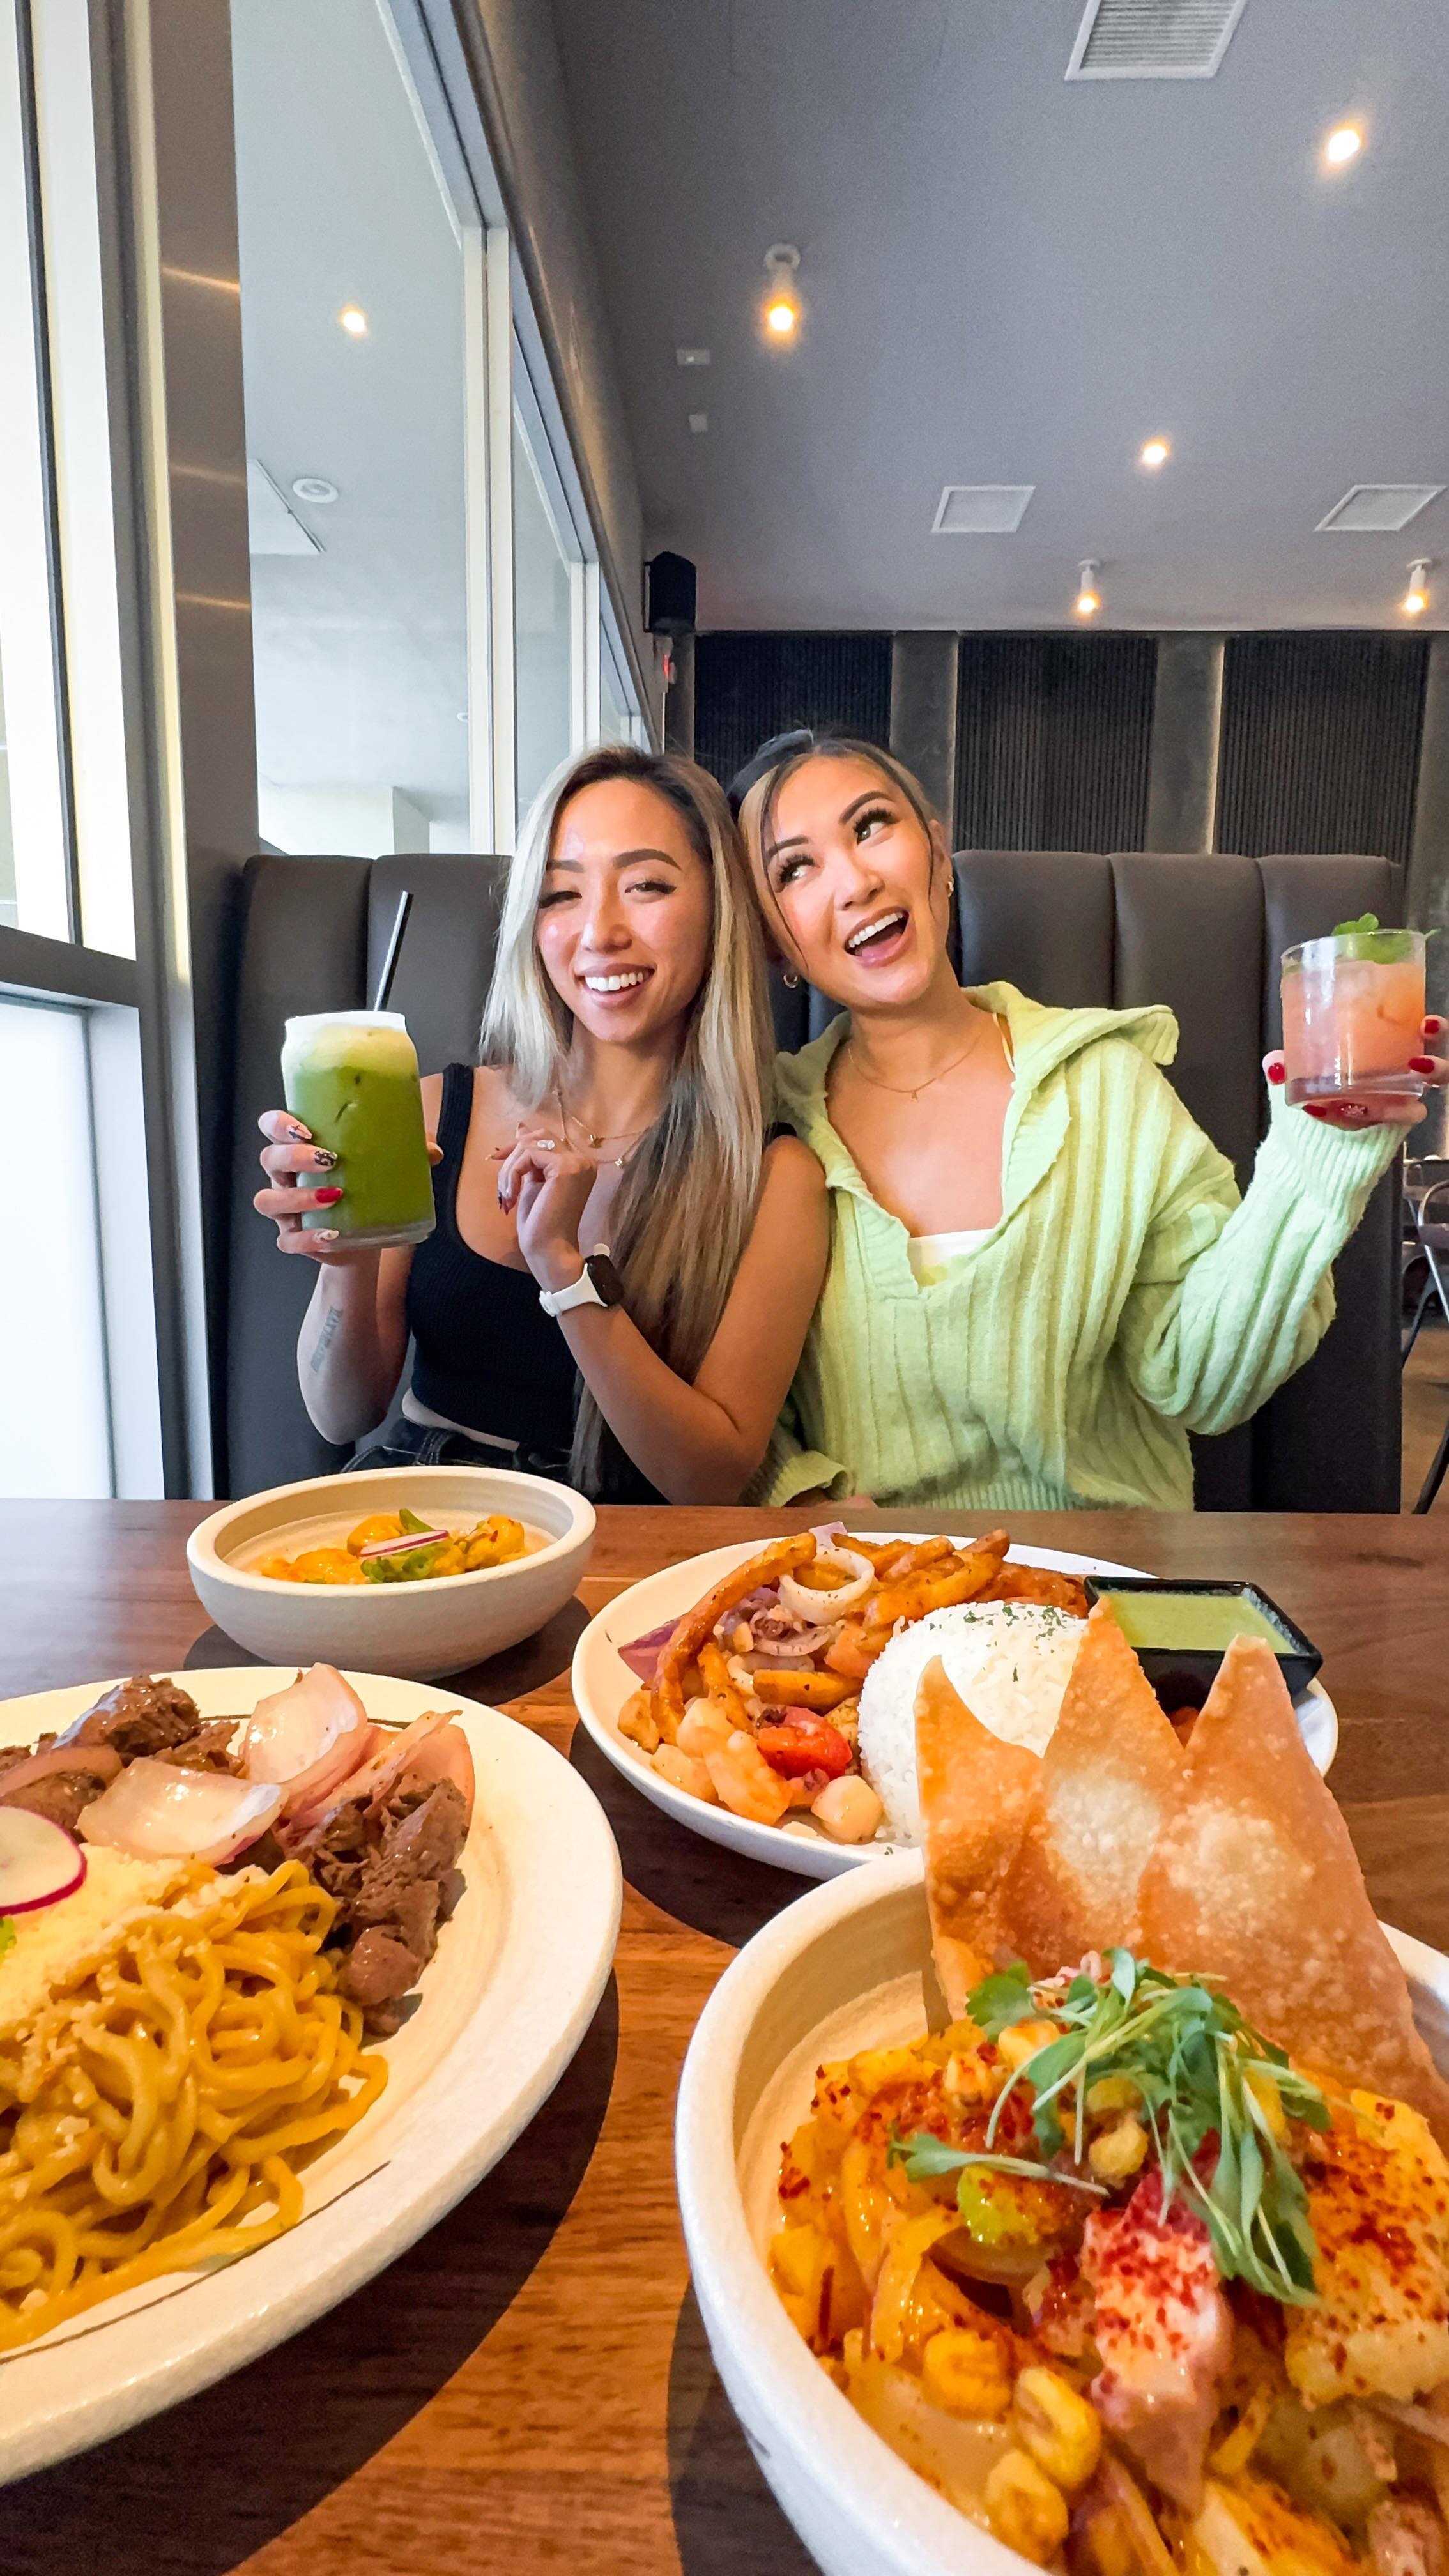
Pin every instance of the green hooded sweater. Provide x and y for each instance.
(1127, 1296)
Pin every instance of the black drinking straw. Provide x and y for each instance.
(394, 945)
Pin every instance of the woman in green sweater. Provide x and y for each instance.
(1042, 1276)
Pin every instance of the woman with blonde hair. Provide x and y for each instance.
(625, 1259)
(1042, 1276)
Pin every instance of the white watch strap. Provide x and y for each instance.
(557, 1301)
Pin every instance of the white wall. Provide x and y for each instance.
(340, 822)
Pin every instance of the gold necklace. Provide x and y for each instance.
(609, 1136)
(905, 1091)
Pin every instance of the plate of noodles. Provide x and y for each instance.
(286, 1964)
(762, 1695)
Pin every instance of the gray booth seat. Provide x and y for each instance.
(1201, 934)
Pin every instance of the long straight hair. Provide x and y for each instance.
(687, 1199)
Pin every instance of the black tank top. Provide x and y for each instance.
(486, 1354)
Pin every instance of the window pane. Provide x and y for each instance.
(53, 1424)
(358, 601)
(543, 629)
(614, 709)
(33, 861)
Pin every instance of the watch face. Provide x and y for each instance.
(605, 1278)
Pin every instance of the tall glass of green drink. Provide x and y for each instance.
(352, 1079)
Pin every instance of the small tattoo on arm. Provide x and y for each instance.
(326, 1337)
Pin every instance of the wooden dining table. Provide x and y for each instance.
(529, 2388)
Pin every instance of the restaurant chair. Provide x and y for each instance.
(1202, 934)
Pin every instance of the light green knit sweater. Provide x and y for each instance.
(1127, 1297)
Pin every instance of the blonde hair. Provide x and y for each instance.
(687, 1198)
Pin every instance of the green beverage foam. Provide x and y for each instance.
(356, 1090)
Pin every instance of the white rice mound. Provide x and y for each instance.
(1008, 1659)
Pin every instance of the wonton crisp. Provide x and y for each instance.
(1256, 1884)
(975, 1791)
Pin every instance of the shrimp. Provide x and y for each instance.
(744, 1781)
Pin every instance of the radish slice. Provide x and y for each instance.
(308, 1736)
(159, 1812)
(102, 1761)
(39, 1861)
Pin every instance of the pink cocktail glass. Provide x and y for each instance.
(1353, 1007)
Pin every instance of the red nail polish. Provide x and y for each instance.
(1276, 1073)
(1434, 1023)
(1421, 1064)
(327, 1198)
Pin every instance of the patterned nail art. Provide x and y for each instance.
(323, 1161)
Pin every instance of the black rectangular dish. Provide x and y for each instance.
(1182, 1673)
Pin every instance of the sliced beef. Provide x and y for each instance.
(60, 1796)
(427, 1839)
(17, 1753)
(210, 1749)
(138, 1716)
(376, 1973)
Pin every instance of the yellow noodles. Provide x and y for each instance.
(153, 2114)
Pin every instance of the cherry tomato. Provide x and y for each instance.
(802, 1742)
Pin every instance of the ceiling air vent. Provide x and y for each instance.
(1380, 507)
(1153, 39)
(981, 509)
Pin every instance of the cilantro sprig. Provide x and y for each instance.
(1201, 2073)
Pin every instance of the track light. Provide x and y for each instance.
(1087, 601)
(780, 309)
(1154, 452)
(1416, 597)
(1342, 145)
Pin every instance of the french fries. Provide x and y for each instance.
(714, 1672)
(782, 1557)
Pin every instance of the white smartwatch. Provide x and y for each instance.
(598, 1284)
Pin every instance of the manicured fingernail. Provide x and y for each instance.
(1276, 1073)
(297, 1135)
(1434, 1024)
(323, 1161)
(326, 1198)
(324, 1234)
(1421, 1064)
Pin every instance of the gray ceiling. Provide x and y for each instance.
(1012, 278)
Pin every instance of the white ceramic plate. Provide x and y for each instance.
(504, 2003)
(839, 1970)
(602, 1682)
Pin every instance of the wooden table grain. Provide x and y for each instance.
(529, 2388)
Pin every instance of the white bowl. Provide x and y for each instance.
(842, 1968)
(420, 1631)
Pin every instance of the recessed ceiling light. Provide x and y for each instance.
(699, 422)
(314, 487)
(1155, 452)
(353, 321)
(691, 357)
(780, 310)
(1088, 599)
(1343, 144)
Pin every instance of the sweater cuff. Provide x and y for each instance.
(807, 1471)
(1337, 1168)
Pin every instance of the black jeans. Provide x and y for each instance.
(423, 1444)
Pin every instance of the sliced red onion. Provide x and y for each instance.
(807, 1600)
(642, 1653)
(101, 1761)
(828, 1532)
(309, 1736)
(444, 1756)
(39, 1861)
(157, 1811)
(397, 1754)
(401, 1546)
(798, 1646)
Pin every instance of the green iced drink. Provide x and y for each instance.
(352, 1079)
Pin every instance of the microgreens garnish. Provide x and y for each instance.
(1201, 2074)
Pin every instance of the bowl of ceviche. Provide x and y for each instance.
(1083, 2199)
(418, 1571)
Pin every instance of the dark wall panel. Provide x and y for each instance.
(750, 686)
(1054, 739)
(1320, 743)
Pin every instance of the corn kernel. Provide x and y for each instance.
(1017, 2045)
(1112, 2093)
(1117, 2152)
(966, 2374)
(1024, 2509)
(967, 2080)
(1058, 2427)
